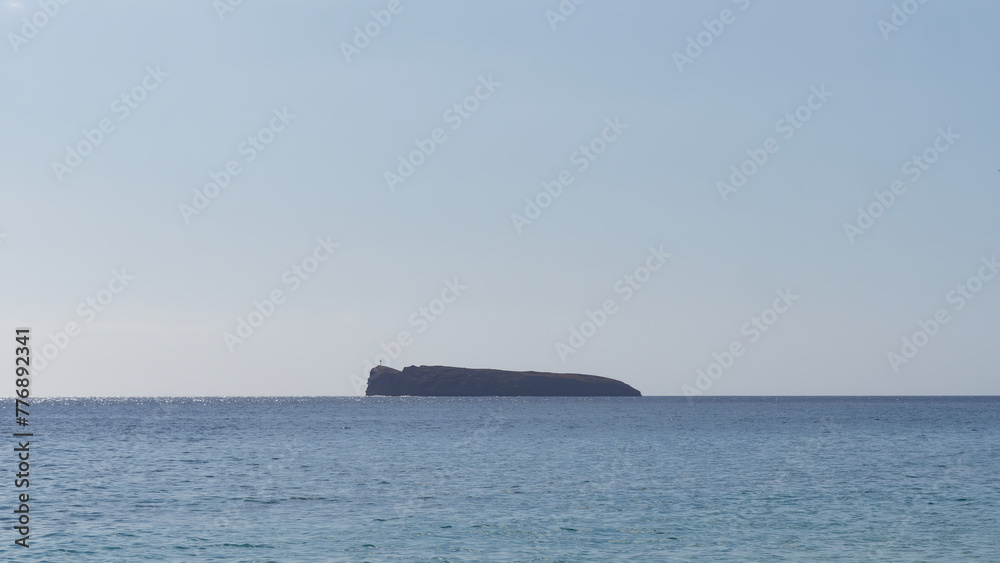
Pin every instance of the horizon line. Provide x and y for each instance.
(500, 396)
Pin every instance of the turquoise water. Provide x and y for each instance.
(526, 479)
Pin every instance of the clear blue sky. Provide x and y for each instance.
(323, 175)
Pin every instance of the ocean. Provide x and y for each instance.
(509, 479)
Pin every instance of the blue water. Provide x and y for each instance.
(511, 479)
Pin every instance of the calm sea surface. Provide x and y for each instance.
(510, 479)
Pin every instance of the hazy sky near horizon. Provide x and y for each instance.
(208, 86)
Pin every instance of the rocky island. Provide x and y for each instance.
(444, 381)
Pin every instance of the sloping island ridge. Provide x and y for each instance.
(445, 381)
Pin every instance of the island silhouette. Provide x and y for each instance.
(445, 381)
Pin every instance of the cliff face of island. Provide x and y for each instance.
(444, 381)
